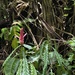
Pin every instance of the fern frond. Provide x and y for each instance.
(25, 67)
(45, 58)
(33, 70)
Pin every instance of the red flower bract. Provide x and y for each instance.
(22, 35)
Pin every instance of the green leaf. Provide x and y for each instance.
(27, 46)
(15, 65)
(25, 67)
(52, 57)
(8, 58)
(17, 23)
(71, 57)
(45, 58)
(61, 70)
(19, 72)
(71, 43)
(7, 68)
(58, 57)
(42, 49)
(66, 8)
(5, 33)
(10, 69)
(14, 43)
(65, 15)
(14, 31)
(33, 70)
(33, 59)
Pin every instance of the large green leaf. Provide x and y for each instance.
(14, 43)
(45, 59)
(15, 65)
(25, 65)
(8, 58)
(11, 66)
(33, 70)
(19, 71)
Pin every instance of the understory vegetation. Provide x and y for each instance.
(37, 37)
